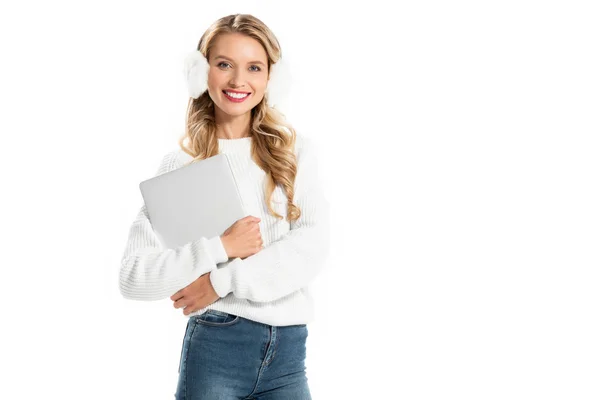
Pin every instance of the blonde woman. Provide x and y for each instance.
(245, 292)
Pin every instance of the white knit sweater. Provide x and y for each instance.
(271, 286)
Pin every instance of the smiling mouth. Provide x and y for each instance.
(237, 97)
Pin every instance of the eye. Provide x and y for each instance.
(258, 69)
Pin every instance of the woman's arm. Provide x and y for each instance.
(149, 271)
(293, 261)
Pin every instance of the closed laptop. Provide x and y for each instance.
(200, 199)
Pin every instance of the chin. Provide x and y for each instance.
(233, 111)
(237, 109)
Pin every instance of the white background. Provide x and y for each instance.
(459, 146)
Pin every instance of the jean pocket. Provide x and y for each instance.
(216, 318)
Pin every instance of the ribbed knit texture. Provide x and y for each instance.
(271, 286)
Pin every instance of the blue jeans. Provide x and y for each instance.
(226, 357)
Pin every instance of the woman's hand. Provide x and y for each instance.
(243, 238)
(196, 295)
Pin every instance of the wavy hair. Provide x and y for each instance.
(272, 145)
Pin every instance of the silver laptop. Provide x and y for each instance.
(198, 199)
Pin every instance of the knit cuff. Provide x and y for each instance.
(222, 278)
(216, 250)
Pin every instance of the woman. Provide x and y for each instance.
(246, 291)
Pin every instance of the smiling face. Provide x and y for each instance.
(238, 66)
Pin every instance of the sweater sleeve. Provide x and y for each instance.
(151, 272)
(294, 260)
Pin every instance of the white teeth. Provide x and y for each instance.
(237, 95)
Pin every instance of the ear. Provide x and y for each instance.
(279, 84)
(195, 72)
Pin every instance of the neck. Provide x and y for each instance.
(232, 126)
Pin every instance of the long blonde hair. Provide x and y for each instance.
(272, 145)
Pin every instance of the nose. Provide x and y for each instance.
(236, 79)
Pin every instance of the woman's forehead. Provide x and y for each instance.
(238, 48)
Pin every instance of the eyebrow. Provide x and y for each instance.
(249, 62)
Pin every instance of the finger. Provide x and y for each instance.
(188, 310)
(177, 296)
(180, 303)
